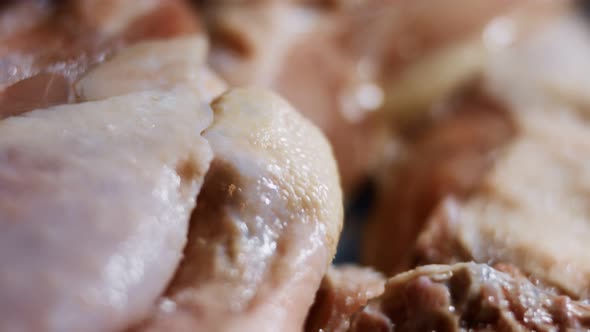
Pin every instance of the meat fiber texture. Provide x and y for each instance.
(499, 174)
(469, 297)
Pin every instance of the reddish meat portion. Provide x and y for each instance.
(446, 154)
(36, 92)
(48, 45)
(468, 297)
(344, 291)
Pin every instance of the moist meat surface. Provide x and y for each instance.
(264, 232)
(344, 291)
(96, 197)
(479, 180)
(468, 297)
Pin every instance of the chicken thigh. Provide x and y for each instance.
(339, 62)
(98, 195)
(266, 224)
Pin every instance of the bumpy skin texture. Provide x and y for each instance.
(468, 297)
(96, 198)
(266, 224)
(343, 292)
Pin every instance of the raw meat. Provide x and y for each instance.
(344, 291)
(266, 225)
(96, 197)
(468, 297)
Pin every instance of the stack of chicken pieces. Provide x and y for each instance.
(139, 193)
(486, 173)
(149, 181)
